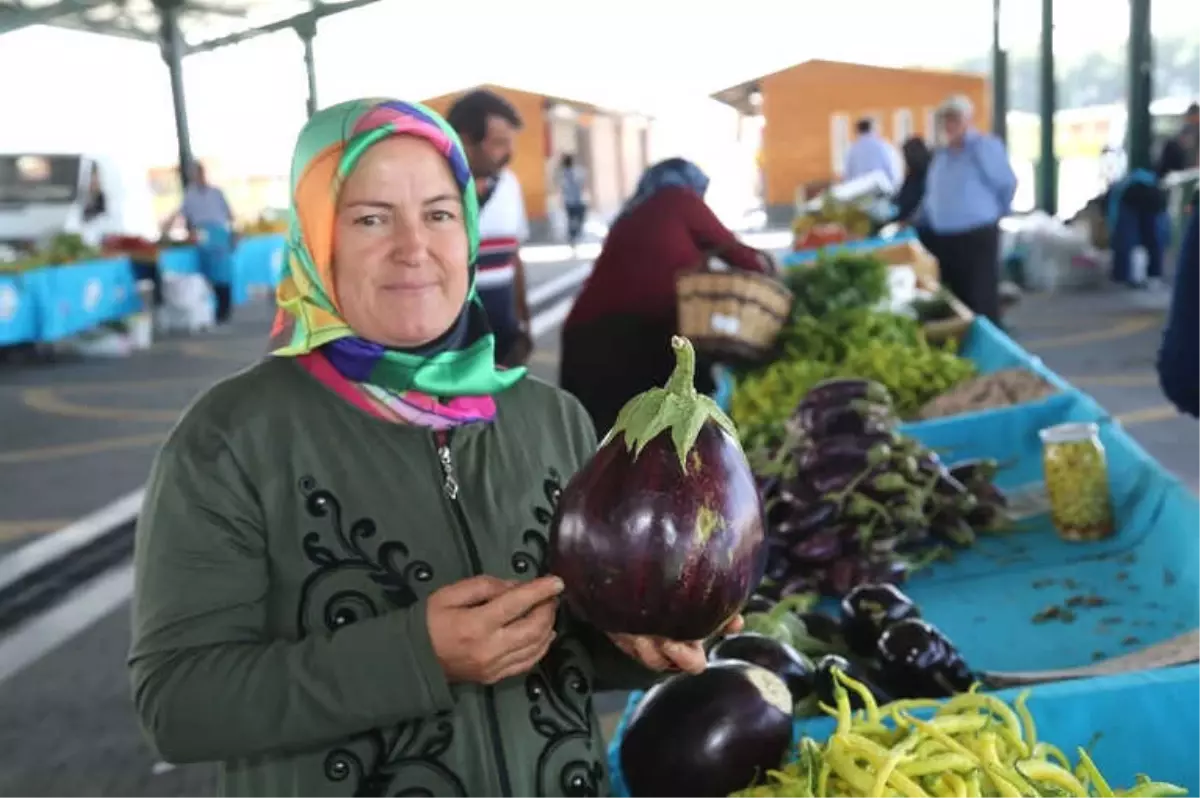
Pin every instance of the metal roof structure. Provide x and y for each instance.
(204, 24)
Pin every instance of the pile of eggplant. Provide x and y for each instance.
(879, 639)
(849, 500)
(711, 733)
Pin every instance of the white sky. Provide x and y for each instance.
(247, 102)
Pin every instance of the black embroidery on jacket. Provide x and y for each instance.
(558, 689)
(351, 582)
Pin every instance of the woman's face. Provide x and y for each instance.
(400, 244)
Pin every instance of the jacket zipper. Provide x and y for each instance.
(450, 490)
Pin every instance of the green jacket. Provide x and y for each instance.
(283, 554)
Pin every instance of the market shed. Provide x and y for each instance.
(807, 114)
(611, 145)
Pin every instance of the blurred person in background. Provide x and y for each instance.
(968, 190)
(616, 340)
(488, 125)
(871, 152)
(1179, 355)
(570, 186)
(1137, 216)
(908, 199)
(209, 221)
(1182, 151)
(340, 588)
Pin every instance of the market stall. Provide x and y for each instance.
(68, 288)
(1032, 539)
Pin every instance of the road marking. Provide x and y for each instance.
(45, 550)
(1148, 415)
(1125, 329)
(83, 607)
(42, 454)
(1137, 380)
(48, 402)
(552, 288)
(11, 530)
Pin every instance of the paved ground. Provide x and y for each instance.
(66, 726)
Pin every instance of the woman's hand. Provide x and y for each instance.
(486, 629)
(659, 654)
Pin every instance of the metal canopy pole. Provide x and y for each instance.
(171, 41)
(999, 75)
(306, 29)
(1047, 163)
(1141, 85)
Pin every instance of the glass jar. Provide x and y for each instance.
(1077, 481)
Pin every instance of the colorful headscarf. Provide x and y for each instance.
(671, 172)
(459, 364)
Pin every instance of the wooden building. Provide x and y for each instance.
(612, 146)
(808, 112)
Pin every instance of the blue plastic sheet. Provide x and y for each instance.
(179, 260)
(1147, 722)
(257, 261)
(18, 311)
(78, 297)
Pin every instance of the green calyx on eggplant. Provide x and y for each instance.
(826, 684)
(779, 657)
(869, 610)
(707, 734)
(921, 662)
(661, 532)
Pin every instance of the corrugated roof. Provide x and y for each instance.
(205, 24)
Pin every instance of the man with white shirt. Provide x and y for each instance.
(488, 125)
(871, 152)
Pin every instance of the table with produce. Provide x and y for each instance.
(958, 575)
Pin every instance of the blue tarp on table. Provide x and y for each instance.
(1146, 577)
(257, 261)
(804, 256)
(81, 296)
(179, 260)
(18, 311)
(1147, 722)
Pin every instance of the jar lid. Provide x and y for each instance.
(1070, 432)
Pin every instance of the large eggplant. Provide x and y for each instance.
(707, 734)
(661, 532)
(778, 657)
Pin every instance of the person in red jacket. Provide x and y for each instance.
(616, 339)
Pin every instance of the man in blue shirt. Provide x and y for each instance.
(870, 153)
(968, 191)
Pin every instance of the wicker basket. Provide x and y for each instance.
(732, 316)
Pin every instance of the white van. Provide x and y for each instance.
(43, 195)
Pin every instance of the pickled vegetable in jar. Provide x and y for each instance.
(1077, 481)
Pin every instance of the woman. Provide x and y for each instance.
(1179, 353)
(340, 562)
(615, 341)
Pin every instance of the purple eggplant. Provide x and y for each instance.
(858, 418)
(821, 626)
(867, 612)
(975, 472)
(787, 663)
(950, 527)
(805, 521)
(921, 662)
(707, 734)
(798, 584)
(757, 603)
(847, 451)
(844, 390)
(822, 546)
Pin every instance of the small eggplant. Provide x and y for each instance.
(951, 528)
(805, 520)
(975, 472)
(799, 584)
(843, 451)
(867, 612)
(921, 662)
(824, 545)
(841, 391)
(787, 663)
(833, 481)
(757, 603)
(821, 626)
(824, 681)
(860, 417)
